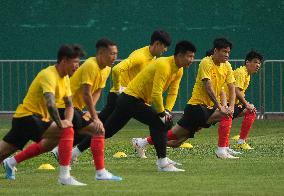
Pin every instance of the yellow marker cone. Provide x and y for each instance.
(46, 166)
(236, 137)
(186, 145)
(119, 155)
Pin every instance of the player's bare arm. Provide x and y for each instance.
(51, 106)
(242, 99)
(232, 98)
(69, 111)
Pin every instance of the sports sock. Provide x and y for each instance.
(149, 140)
(97, 148)
(247, 124)
(30, 151)
(65, 146)
(224, 131)
(170, 136)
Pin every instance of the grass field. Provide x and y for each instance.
(258, 172)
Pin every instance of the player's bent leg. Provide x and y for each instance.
(6, 149)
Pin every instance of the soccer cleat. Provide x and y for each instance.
(10, 171)
(139, 149)
(55, 154)
(233, 152)
(70, 181)
(236, 137)
(106, 175)
(244, 146)
(173, 162)
(224, 155)
(169, 168)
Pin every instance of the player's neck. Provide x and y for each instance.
(152, 50)
(215, 60)
(100, 62)
(60, 70)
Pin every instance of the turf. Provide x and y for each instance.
(257, 172)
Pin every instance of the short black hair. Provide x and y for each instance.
(162, 37)
(69, 51)
(184, 46)
(253, 55)
(220, 43)
(104, 43)
(209, 52)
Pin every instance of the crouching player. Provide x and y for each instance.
(32, 118)
(204, 108)
(242, 75)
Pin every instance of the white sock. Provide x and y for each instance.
(75, 152)
(241, 141)
(101, 171)
(163, 162)
(222, 149)
(64, 172)
(12, 161)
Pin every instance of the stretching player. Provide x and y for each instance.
(204, 108)
(147, 88)
(32, 118)
(123, 73)
(86, 86)
(243, 107)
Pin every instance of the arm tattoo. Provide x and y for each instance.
(68, 102)
(52, 109)
(210, 92)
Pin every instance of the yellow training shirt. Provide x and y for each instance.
(155, 79)
(218, 75)
(47, 80)
(126, 70)
(88, 73)
(242, 78)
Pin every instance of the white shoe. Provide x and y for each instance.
(70, 181)
(224, 155)
(106, 175)
(139, 149)
(170, 168)
(233, 152)
(55, 154)
(172, 162)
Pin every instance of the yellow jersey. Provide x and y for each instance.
(126, 70)
(88, 73)
(47, 81)
(218, 75)
(156, 78)
(242, 78)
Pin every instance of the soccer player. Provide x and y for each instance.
(37, 118)
(147, 88)
(242, 75)
(123, 73)
(204, 108)
(86, 86)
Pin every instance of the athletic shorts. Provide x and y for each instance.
(26, 128)
(194, 117)
(80, 119)
(237, 110)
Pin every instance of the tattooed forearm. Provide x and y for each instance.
(52, 109)
(69, 111)
(211, 93)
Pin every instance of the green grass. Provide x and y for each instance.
(258, 172)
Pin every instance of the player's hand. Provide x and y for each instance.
(250, 107)
(66, 124)
(99, 127)
(166, 118)
(231, 110)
